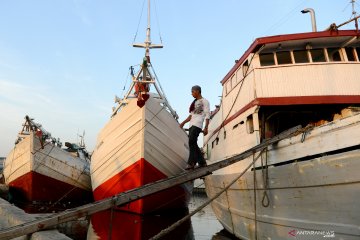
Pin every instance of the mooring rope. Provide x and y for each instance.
(111, 223)
(265, 174)
(247, 73)
(119, 148)
(178, 223)
(175, 199)
(137, 29)
(69, 191)
(255, 186)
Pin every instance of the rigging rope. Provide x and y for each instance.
(155, 209)
(255, 186)
(126, 80)
(41, 162)
(237, 94)
(157, 79)
(137, 29)
(178, 223)
(284, 19)
(265, 174)
(111, 223)
(128, 140)
(157, 21)
(174, 199)
(68, 192)
(33, 153)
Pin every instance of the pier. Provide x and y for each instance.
(12, 216)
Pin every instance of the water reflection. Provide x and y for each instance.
(115, 224)
(224, 235)
(205, 224)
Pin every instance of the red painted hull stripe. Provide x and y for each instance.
(137, 175)
(34, 186)
(128, 226)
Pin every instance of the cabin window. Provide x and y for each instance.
(250, 124)
(233, 80)
(217, 141)
(317, 55)
(224, 134)
(228, 86)
(238, 75)
(208, 152)
(301, 56)
(358, 53)
(267, 59)
(334, 54)
(283, 57)
(245, 68)
(350, 54)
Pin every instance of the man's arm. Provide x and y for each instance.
(185, 121)
(207, 117)
(205, 130)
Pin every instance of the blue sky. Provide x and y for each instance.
(62, 61)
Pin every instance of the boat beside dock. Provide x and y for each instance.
(10, 216)
(43, 175)
(307, 182)
(135, 194)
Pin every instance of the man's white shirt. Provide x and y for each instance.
(200, 112)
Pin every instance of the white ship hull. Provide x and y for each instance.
(138, 146)
(46, 174)
(313, 185)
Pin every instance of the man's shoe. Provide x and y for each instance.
(189, 167)
(203, 165)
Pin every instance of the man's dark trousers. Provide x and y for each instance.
(195, 155)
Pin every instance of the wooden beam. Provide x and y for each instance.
(134, 194)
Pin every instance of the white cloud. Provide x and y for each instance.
(21, 94)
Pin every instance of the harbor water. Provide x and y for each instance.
(205, 224)
(114, 224)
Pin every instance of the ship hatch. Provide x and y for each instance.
(276, 119)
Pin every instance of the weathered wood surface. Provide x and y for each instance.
(13, 216)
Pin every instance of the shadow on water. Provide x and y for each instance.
(115, 224)
(19, 199)
(224, 235)
(205, 224)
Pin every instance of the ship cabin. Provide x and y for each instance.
(307, 79)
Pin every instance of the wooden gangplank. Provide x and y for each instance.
(134, 194)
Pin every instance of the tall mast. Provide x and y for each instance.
(147, 44)
(144, 77)
(148, 40)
